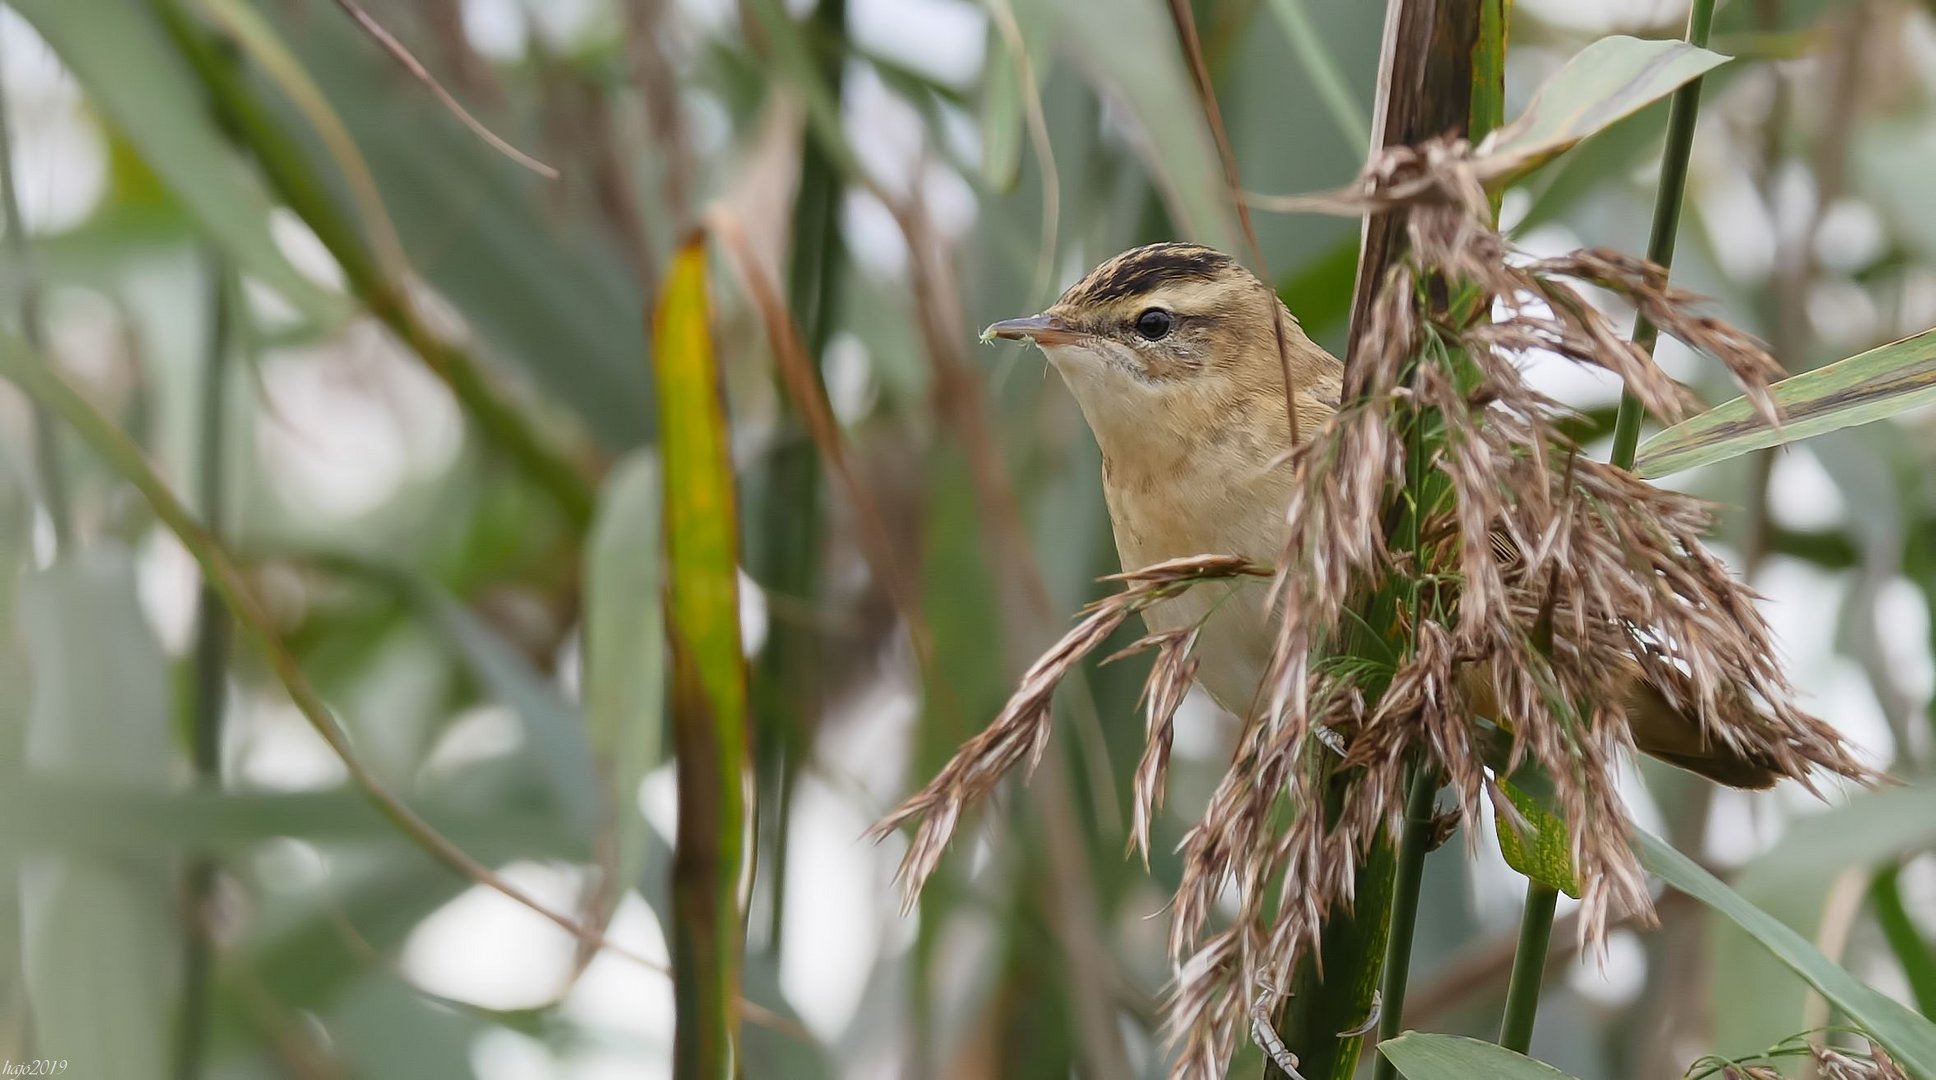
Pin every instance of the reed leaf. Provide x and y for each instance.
(624, 663)
(1454, 1057)
(708, 675)
(1909, 1038)
(1860, 389)
(1607, 81)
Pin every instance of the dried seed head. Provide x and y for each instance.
(1832, 1064)
(1020, 733)
(1169, 680)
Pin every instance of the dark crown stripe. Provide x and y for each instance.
(1144, 269)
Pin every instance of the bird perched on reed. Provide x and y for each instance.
(1172, 353)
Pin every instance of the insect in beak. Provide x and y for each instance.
(1041, 329)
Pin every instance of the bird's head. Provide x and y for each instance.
(1167, 326)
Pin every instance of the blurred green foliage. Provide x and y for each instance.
(444, 481)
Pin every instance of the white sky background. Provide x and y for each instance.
(354, 423)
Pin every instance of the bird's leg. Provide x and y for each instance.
(1332, 741)
(1265, 1035)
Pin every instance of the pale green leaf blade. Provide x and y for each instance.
(1609, 80)
(1130, 50)
(708, 674)
(1792, 882)
(44, 814)
(1860, 389)
(124, 58)
(1909, 1038)
(624, 648)
(97, 933)
(1454, 1057)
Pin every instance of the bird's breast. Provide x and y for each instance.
(1207, 505)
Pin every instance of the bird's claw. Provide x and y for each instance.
(1266, 1037)
(1371, 1021)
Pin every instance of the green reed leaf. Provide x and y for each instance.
(708, 675)
(1454, 1057)
(1909, 1038)
(1860, 389)
(1609, 80)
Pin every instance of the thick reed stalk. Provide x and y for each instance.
(1485, 111)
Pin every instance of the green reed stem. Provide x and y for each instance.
(1484, 112)
(1529, 968)
(786, 689)
(211, 666)
(1681, 115)
(1536, 928)
(1412, 849)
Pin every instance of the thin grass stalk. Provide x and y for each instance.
(1536, 929)
(1186, 32)
(292, 175)
(212, 629)
(793, 527)
(1681, 116)
(51, 477)
(1529, 968)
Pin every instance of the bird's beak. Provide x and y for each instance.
(1041, 329)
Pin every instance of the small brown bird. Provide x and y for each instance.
(1172, 356)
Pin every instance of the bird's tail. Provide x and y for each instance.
(1659, 731)
(1664, 732)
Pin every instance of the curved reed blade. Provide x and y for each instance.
(708, 675)
(1861, 389)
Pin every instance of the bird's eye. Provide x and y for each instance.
(1154, 323)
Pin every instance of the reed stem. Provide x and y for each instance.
(1681, 115)
(1529, 968)
(211, 666)
(1412, 849)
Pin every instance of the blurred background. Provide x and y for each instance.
(408, 379)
